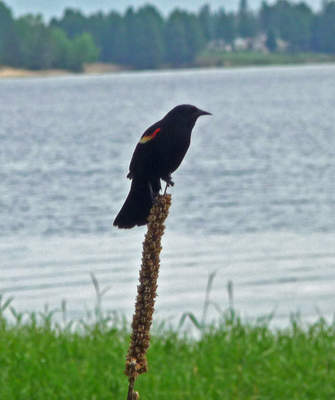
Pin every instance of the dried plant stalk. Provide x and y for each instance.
(136, 363)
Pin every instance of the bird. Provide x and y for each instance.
(159, 152)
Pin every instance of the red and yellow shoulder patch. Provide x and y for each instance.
(146, 138)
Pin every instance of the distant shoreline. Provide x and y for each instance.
(10, 72)
(95, 68)
(207, 60)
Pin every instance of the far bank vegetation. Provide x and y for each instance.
(144, 39)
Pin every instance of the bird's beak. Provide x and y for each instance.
(201, 112)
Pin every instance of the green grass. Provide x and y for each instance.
(40, 360)
(219, 58)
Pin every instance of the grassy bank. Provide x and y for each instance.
(217, 58)
(41, 360)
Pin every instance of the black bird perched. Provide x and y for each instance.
(159, 152)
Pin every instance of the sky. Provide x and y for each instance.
(55, 8)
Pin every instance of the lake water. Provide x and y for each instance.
(254, 198)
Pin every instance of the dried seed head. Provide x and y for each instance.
(147, 289)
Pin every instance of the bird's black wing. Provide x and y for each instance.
(143, 158)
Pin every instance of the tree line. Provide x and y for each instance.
(143, 38)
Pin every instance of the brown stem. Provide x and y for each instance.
(131, 394)
(136, 363)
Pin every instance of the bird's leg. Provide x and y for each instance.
(169, 182)
(165, 189)
(152, 194)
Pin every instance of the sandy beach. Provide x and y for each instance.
(9, 72)
(95, 68)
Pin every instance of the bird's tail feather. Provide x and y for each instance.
(136, 208)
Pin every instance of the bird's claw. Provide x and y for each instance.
(169, 181)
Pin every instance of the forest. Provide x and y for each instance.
(144, 39)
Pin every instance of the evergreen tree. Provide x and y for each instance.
(194, 37)
(265, 17)
(207, 23)
(73, 23)
(293, 24)
(113, 44)
(183, 38)
(132, 29)
(282, 19)
(8, 38)
(302, 32)
(150, 52)
(175, 39)
(246, 22)
(35, 43)
(225, 27)
(324, 29)
(96, 25)
(271, 40)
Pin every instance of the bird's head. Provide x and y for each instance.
(185, 114)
